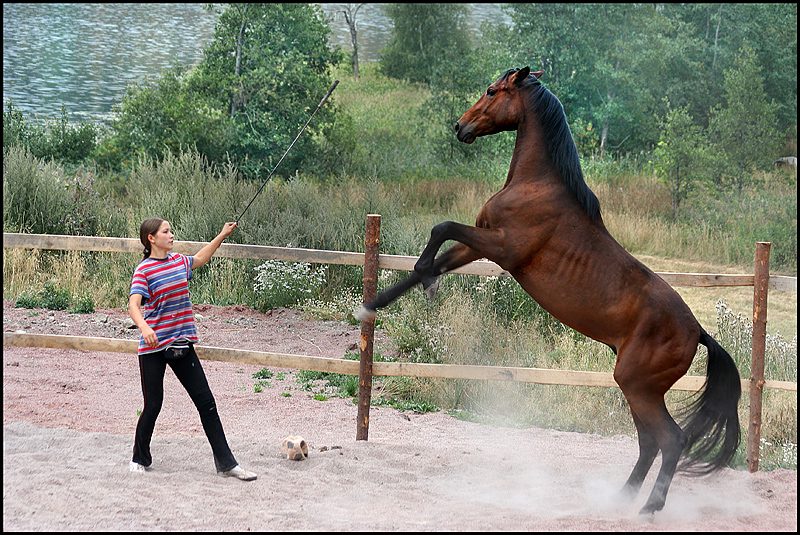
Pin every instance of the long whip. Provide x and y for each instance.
(321, 102)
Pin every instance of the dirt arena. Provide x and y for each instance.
(69, 418)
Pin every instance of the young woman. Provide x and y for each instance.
(159, 304)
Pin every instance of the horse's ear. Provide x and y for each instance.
(521, 75)
(538, 74)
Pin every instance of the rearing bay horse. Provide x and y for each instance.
(544, 228)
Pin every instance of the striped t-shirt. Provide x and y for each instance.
(163, 284)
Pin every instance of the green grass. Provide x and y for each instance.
(263, 373)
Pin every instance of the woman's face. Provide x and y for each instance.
(163, 239)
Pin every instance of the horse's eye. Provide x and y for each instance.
(490, 92)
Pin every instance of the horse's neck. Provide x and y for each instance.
(531, 160)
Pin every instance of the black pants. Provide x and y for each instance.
(190, 373)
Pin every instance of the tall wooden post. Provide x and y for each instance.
(371, 245)
(760, 291)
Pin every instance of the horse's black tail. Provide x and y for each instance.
(711, 424)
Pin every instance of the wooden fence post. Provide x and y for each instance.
(760, 290)
(371, 245)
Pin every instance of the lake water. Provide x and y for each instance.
(83, 56)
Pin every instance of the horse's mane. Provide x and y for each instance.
(560, 144)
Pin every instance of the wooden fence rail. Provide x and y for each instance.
(544, 376)
(761, 281)
(321, 256)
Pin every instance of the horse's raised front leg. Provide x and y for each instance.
(481, 241)
(455, 257)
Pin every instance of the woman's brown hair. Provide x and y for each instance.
(149, 226)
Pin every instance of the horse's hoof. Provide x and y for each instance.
(364, 314)
(431, 289)
(650, 509)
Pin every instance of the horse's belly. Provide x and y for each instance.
(579, 306)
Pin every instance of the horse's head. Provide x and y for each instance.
(500, 108)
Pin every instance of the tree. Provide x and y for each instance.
(265, 70)
(770, 29)
(166, 115)
(424, 37)
(680, 155)
(745, 129)
(350, 12)
(609, 64)
(269, 65)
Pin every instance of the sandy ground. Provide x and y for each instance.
(69, 418)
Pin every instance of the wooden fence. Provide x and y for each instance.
(760, 280)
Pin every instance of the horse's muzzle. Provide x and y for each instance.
(465, 135)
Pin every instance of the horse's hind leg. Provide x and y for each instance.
(648, 449)
(668, 435)
(645, 371)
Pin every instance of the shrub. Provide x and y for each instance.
(263, 72)
(57, 139)
(54, 297)
(414, 328)
(39, 197)
(280, 284)
(166, 116)
(82, 305)
(735, 333)
(28, 300)
(338, 307)
(34, 197)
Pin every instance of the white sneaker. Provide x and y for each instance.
(136, 467)
(239, 473)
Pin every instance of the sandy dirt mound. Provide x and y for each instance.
(69, 418)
